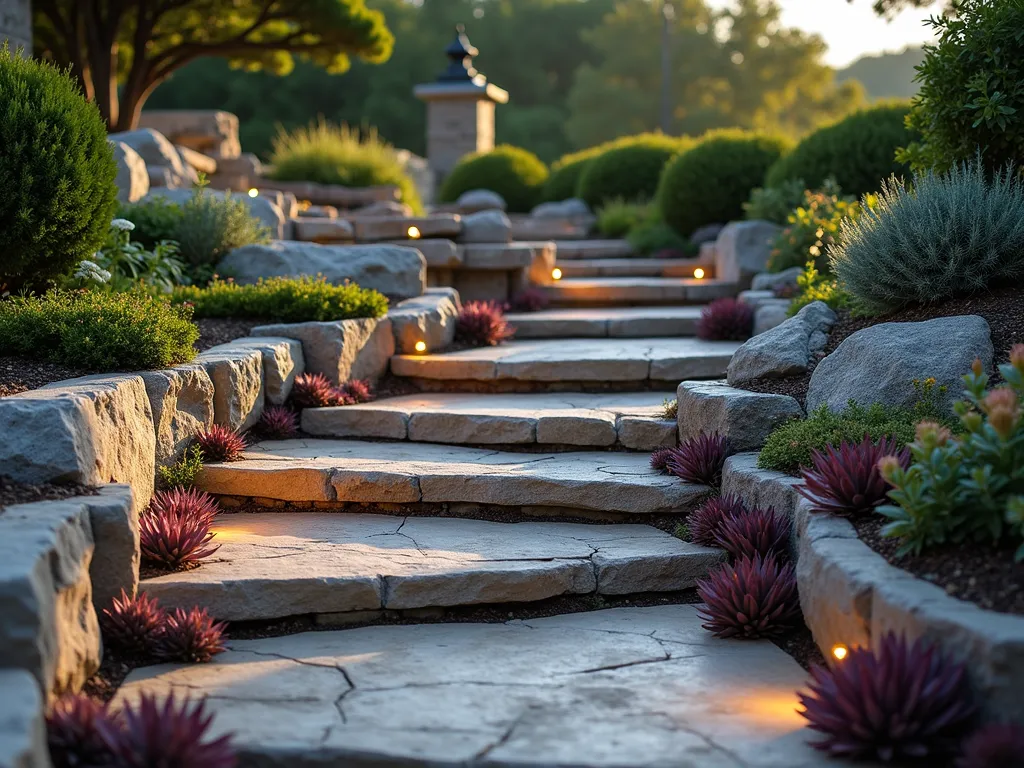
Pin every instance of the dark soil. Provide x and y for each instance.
(18, 374)
(978, 573)
(147, 571)
(1003, 309)
(221, 330)
(13, 492)
(801, 646)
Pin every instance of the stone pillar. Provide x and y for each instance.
(460, 109)
(16, 24)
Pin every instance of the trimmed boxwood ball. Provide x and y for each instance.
(516, 174)
(859, 152)
(629, 169)
(709, 183)
(57, 173)
(564, 179)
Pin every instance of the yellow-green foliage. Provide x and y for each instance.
(813, 286)
(516, 174)
(617, 218)
(564, 179)
(628, 168)
(336, 154)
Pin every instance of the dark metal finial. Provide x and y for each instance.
(460, 53)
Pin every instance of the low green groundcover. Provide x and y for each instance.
(286, 300)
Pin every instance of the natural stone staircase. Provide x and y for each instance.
(615, 322)
(612, 291)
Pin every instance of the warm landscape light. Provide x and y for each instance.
(414, 233)
(839, 652)
(698, 273)
(254, 192)
(421, 346)
(556, 273)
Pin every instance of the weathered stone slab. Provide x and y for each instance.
(784, 350)
(22, 724)
(49, 626)
(375, 228)
(91, 430)
(272, 565)
(290, 470)
(238, 389)
(181, 400)
(440, 253)
(399, 273)
(581, 427)
(636, 290)
(745, 418)
(618, 322)
(632, 267)
(357, 421)
(742, 250)
(341, 350)
(645, 433)
(469, 428)
(498, 256)
(282, 362)
(322, 230)
(637, 687)
(877, 364)
(115, 529)
(593, 249)
(759, 487)
(429, 318)
(197, 160)
(204, 130)
(491, 226)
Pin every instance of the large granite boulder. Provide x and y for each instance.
(879, 364)
(158, 153)
(132, 176)
(784, 350)
(262, 207)
(397, 272)
(211, 131)
(742, 250)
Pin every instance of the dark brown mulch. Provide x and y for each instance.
(147, 571)
(13, 492)
(801, 646)
(978, 573)
(394, 386)
(1003, 309)
(18, 374)
(221, 330)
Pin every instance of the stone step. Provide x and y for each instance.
(616, 322)
(629, 420)
(593, 249)
(409, 473)
(565, 361)
(272, 566)
(633, 267)
(627, 687)
(573, 291)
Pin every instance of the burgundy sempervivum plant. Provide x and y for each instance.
(754, 598)
(191, 636)
(996, 745)
(184, 501)
(173, 535)
(531, 299)
(760, 531)
(75, 732)
(900, 701)
(483, 324)
(133, 624)
(279, 422)
(358, 390)
(699, 459)
(726, 319)
(314, 390)
(706, 520)
(218, 443)
(168, 734)
(660, 457)
(847, 481)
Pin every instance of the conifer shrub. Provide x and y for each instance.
(628, 168)
(57, 174)
(564, 179)
(515, 173)
(710, 182)
(859, 152)
(951, 234)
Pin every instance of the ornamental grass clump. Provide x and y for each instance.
(846, 480)
(726, 319)
(900, 701)
(757, 532)
(133, 624)
(213, 225)
(77, 730)
(218, 443)
(699, 459)
(174, 531)
(751, 599)
(190, 636)
(705, 522)
(966, 487)
(954, 234)
(483, 324)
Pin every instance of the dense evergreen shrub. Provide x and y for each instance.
(710, 182)
(971, 98)
(628, 168)
(57, 172)
(336, 154)
(156, 220)
(97, 330)
(283, 299)
(563, 181)
(617, 218)
(516, 174)
(775, 204)
(952, 234)
(859, 152)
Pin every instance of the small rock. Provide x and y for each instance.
(480, 200)
(572, 208)
(707, 234)
(772, 281)
(742, 250)
(784, 350)
(486, 227)
(770, 314)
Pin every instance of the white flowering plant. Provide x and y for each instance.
(122, 264)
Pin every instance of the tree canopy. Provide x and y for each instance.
(121, 50)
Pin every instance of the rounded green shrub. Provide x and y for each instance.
(710, 182)
(516, 174)
(859, 152)
(57, 174)
(951, 234)
(336, 154)
(628, 168)
(564, 179)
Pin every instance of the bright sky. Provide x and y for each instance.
(853, 29)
